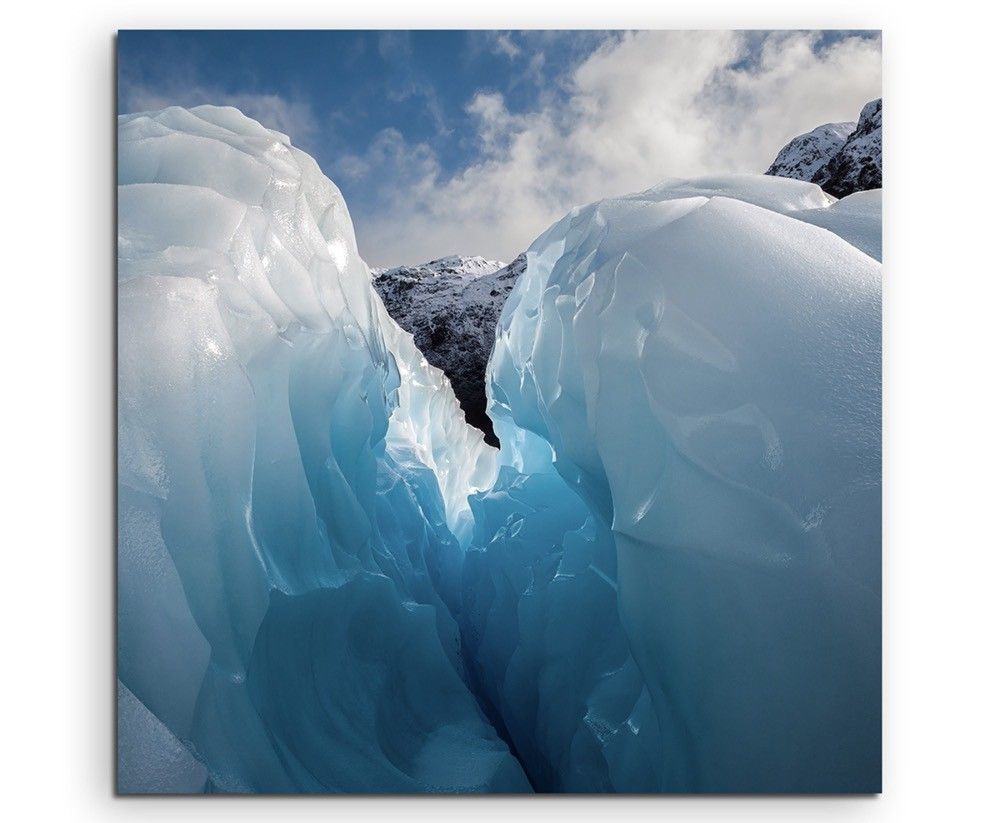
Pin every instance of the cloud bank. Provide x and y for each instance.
(640, 108)
(295, 118)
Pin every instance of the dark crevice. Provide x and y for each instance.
(495, 718)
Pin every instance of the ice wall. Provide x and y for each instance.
(293, 488)
(703, 369)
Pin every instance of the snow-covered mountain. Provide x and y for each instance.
(843, 158)
(453, 265)
(808, 153)
(858, 165)
(451, 307)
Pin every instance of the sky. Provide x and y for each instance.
(475, 142)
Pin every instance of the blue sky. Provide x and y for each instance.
(473, 142)
(342, 88)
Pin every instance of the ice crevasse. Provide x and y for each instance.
(667, 579)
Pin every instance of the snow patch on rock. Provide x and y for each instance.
(808, 153)
(843, 158)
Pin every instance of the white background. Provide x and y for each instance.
(941, 316)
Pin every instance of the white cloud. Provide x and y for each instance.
(503, 44)
(400, 166)
(640, 108)
(272, 110)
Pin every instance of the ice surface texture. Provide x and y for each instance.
(293, 488)
(705, 372)
(667, 579)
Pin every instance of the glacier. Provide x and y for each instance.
(667, 578)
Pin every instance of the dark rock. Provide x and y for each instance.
(451, 307)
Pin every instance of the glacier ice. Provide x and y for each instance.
(293, 484)
(667, 579)
(150, 758)
(704, 371)
(857, 218)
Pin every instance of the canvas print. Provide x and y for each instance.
(499, 411)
